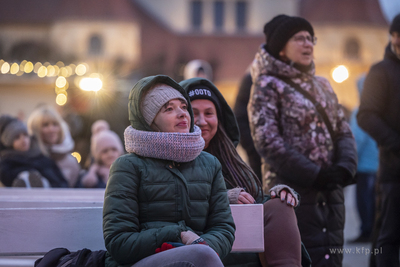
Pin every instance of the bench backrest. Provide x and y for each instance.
(35, 221)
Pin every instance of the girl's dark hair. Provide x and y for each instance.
(236, 172)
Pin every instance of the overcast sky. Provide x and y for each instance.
(390, 8)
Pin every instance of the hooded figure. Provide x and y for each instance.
(166, 187)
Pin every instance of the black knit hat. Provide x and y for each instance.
(202, 91)
(395, 25)
(280, 29)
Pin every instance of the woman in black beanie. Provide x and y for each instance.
(299, 129)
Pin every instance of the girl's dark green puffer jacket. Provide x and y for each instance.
(150, 201)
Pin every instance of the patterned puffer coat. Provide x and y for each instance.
(294, 141)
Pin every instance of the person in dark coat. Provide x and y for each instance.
(22, 165)
(220, 132)
(379, 116)
(166, 193)
(294, 139)
(240, 110)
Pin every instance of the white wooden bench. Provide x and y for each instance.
(34, 221)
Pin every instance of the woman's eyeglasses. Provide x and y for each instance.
(301, 39)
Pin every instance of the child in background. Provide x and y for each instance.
(20, 165)
(97, 126)
(106, 147)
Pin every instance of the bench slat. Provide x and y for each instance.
(34, 221)
(35, 231)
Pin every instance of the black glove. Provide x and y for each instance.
(329, 178)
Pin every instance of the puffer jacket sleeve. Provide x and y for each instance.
(124, 240)
(220, 229)
(290, 165)
(345, 144)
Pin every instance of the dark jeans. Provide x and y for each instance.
(389, 236)
(365, 198)
(185, 256)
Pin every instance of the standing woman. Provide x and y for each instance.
(309, 149)
(220, 132)
(52, 136)
(166, 193)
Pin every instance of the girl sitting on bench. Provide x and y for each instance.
(220, 132)
(166, 193)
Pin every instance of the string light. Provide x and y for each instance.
(5, 68)
(61, 99)
(340, 74)
(92, 83)
(28, 68)
(14, 68)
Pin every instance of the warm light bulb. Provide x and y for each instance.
(61, 99)
(91, 84)
(5, 68)
(61, 82)
(77, 156)
(80, 69)
(340, 74)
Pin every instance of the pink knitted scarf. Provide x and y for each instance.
(178, 147)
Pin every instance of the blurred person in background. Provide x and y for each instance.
(379, 116)
(240, 110)
(51, 134)
(198, 68)
(21, 165)
(97, 126)
(367, 152)
(105, 148)
(299, 129)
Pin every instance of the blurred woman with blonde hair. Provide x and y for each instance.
(52, 136)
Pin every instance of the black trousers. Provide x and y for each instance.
(388, 241)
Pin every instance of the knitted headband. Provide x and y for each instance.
(280, 29)
(11, 132)
(155, 98)
(204, 92)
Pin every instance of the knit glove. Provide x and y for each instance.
(278, 188)
(168, 245)
(329, 178)
(188, 237)
(233, 195)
